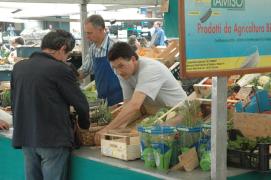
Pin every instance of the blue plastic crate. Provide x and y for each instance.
(5, 75)
(258, 103)
(25, 51)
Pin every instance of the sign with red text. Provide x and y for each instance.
(224, 37)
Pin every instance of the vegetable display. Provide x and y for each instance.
(191, 113)
(5, 98)
(153, 120)
(101, 114)
(245, 144)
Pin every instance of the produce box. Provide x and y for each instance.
(186, 83)
(167, 55)
(149, 52)
(257, 103)
(4, 85)
(257, 159)
(5, 75)
(26, 51)
(125, 147)
(204, 88)
(170, 54)
(246, 79)
(253, 125)
(231, 100)
(248, 153)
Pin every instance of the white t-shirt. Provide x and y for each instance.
(156, 81)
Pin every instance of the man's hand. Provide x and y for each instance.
(98, 135)
(81, 75)
(4, 125)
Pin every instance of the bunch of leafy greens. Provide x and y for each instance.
(101, 114)
(5, 98)
(191, 113)
(154, 120)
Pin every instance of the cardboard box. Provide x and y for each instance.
(253, 125)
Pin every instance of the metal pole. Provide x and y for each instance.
(83, 17)
(84, 42)
(219, 129)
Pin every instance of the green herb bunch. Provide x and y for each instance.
(101, 114)
(5, 98)
(191, 113)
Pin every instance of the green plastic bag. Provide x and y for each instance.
(205, 162)
(148, 156)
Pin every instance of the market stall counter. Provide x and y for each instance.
(88, 162)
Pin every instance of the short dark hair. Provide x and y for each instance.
(19, 40)
(121, 50)
(96, 20)
(132, 42)
(55, 39)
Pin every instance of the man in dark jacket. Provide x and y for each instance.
(42, 90)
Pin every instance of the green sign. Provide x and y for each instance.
(229, 4)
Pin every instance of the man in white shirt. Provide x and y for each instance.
(144, 82)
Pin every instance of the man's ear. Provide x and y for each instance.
(63, 48)
(133, 58)
(102, 30)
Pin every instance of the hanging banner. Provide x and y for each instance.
(224, 37)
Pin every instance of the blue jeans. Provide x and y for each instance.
(46, 163)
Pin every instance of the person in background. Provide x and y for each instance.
(4, 125)
(143, 42)
(16, 42)
(1, 36)
(11, 30)
(133, 42)
(158, 37)
(42, 90)
(96, 62)
(144, 82)
(50, 27)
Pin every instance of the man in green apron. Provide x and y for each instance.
(107, 83)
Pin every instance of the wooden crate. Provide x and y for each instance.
(253, 125)
(125, 147)
(170, 54)
(166, 55)
(4, 85)
(150, 52)
(203, 90)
